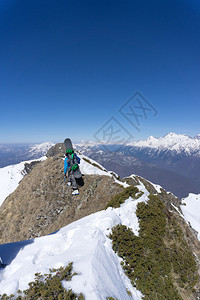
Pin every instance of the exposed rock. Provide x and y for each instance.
(28, 167)
(43, 203)
(130, 180)
(58, 149)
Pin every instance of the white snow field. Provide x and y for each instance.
(10, 177)
(191, 211)
(86, 244)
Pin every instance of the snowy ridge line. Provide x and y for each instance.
(11, 176)
(89, 166)
(86, 244)
(157, 187)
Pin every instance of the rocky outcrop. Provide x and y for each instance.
(28, 167)
(43, 203)
(57, 149)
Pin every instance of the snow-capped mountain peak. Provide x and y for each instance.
(173, 142)
(40, 149)
(151, 140)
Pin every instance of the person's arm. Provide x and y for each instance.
(65, 166)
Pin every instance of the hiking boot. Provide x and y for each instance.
(75, 192)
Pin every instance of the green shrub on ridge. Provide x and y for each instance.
(158, 261)
(118, 199)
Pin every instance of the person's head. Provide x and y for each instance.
(69, 151)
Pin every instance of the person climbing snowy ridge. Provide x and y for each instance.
(71, 167)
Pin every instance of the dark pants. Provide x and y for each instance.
(72, 179)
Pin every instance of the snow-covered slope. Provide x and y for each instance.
(191, 211)
(10, 177)
(88, 166)
(86, 244)
(173, 142)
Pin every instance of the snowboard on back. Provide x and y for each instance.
(77, 172)
(68, 144)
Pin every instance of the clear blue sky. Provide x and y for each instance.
(67, 67)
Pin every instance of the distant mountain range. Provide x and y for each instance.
(15, 153)
(172, 161)
(175, 143)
